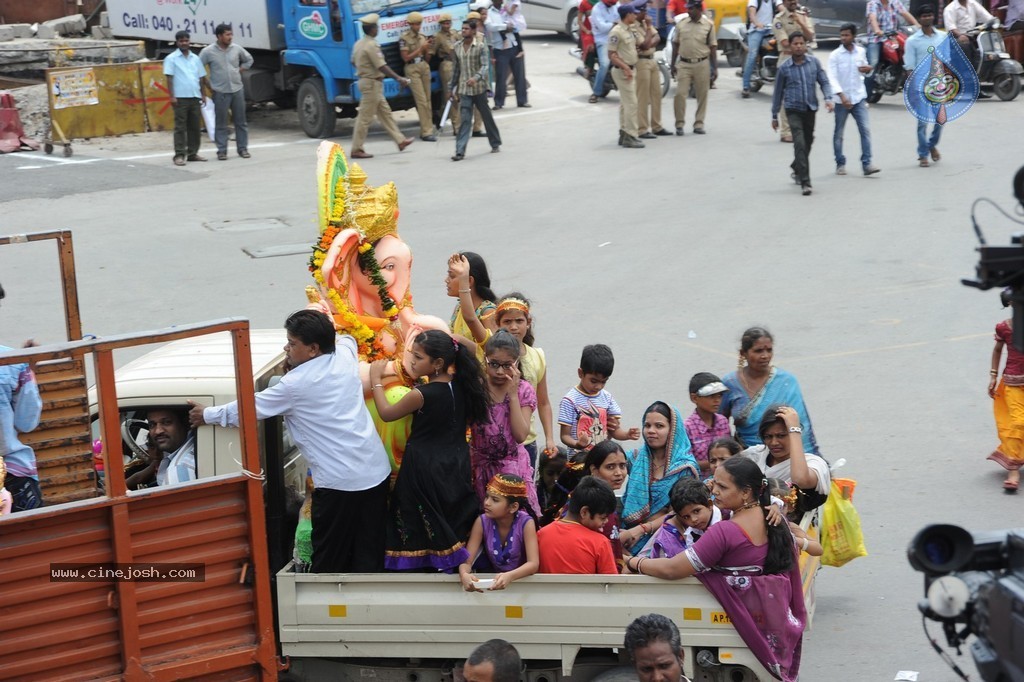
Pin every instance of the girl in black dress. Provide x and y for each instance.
(433, 505)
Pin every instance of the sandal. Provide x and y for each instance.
(1010, 486)
(593, 99)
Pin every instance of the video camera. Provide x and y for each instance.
(976, 581)
(1003, 266)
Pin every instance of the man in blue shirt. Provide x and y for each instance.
(20, 409)
(916, 51)
(187, 85)
(794, 90)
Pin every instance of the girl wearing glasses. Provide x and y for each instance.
(496, 447)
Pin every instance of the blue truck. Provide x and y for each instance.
(302, 48)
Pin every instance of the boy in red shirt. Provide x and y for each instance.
(574, 544)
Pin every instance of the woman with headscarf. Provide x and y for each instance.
(664, 458)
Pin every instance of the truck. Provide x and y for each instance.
(254, 615)
(302, 48)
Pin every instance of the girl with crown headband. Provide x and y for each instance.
(505, 533)
(513, 315)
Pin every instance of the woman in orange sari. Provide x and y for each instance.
(1008, 401)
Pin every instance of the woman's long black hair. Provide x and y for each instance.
(481, 278)
(746, 474)
(468, 377)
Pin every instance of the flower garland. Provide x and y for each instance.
(368, 262)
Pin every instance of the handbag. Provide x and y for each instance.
(841, 535)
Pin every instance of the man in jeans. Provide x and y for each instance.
(794, 89)
(602, 18)
(469, 89)
(846, 68)
(227, 61)
(915, 52)
(759, 22)
(187, 85)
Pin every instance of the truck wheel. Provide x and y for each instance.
(735, 57)
(316, 114)
(1007, 86)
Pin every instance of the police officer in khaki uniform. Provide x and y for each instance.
(648, 77)
(623, 54)
(790, 18)
(443, 48)
(371, 70)
(415, 49)
(695, 45)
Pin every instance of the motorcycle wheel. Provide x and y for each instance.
(735, 57)
(875, 97)
(1007, 86)
(755, 86)
(666, 79)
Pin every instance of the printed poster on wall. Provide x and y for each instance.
(74, 89)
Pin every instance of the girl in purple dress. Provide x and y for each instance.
(497, 445)
(751, 568)
(505, 536)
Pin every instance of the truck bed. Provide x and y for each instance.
(547, 617)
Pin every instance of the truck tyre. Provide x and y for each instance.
(316, 114)
(735, 57)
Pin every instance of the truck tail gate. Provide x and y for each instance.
(162, 584)
(63, 441)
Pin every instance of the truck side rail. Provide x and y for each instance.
(220, 625)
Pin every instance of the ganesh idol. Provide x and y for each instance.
(363, 271)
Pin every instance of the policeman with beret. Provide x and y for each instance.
(624, 57)
(371, 68)
(415, 50)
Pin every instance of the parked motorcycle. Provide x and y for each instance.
(609, 82)
(993, 62)
(889, 73)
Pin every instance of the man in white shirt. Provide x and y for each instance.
(961, 16)
(603, 17)
(321, 399)
(846, 68)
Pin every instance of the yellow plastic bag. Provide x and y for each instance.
(841, 536)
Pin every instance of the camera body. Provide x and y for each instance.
(976, 581)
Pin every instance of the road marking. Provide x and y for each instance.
(137, 157)
(601, 246)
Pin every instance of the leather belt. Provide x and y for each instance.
(615, 66)
(647, 56)
(692, 61)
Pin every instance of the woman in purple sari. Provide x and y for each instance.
(750, 567)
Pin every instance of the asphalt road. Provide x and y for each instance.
(665, 253)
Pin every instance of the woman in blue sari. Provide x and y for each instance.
(664, 458)
(757, 385)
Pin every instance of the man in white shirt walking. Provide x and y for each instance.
(846, 68)
(321, 399)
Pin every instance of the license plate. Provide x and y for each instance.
(720, 618)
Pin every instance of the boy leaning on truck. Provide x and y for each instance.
(321, 400)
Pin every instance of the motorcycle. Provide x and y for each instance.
(889, 74)
(993, 63)
(767, 65)
(609, 82)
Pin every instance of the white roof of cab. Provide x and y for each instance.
(197, 366)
